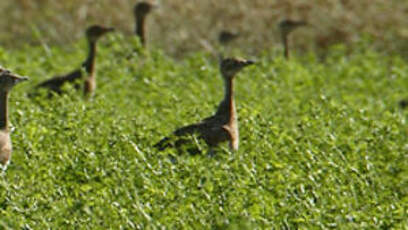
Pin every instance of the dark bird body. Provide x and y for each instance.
(223, 125)
(87, 71)
(55, 84)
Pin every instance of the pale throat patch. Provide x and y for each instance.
(4, 166)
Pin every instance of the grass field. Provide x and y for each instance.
(323, 145)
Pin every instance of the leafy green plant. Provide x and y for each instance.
(323, 145)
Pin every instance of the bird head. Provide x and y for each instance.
(9, 79)
(288, 25)
(93, 33)
(143, 8)
(225, 36)
(231, 66)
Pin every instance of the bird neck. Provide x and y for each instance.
(4, 109)
(89, 64)
(140, 28)
(285, 44)
(227, 106)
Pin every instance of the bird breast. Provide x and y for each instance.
(90, 85)
(5, 147)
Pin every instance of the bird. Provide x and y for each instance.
(225, 37)
(93, 34)
(286, 27)
(223, 125)
(140, 11)
(7, 81)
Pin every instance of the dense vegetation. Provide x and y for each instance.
(323, 144)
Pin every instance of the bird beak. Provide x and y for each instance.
(110, 29)
(20, 78)
(17, 78)
(249, 62)
(24, 78)
(303, 23)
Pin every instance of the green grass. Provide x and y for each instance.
(323, 145)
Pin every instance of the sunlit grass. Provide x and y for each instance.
(323, 145)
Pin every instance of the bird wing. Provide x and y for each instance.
(56, 83)
(210, 119)
(189, 129)
(183, 131)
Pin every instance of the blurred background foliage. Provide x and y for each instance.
(180, 26)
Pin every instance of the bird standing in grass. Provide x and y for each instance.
(140, 12)
(286, 27)
(7, 81)
(55, 84)
(223, 125)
